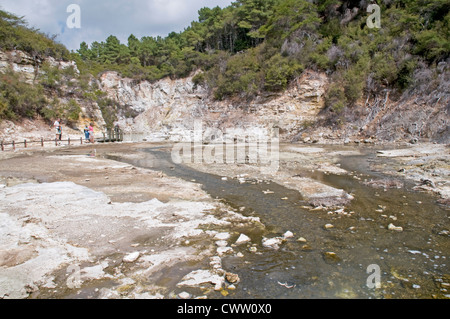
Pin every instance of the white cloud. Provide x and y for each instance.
(101, 18)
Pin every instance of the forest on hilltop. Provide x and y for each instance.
(257, 47)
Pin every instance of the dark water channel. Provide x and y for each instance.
(333, 263)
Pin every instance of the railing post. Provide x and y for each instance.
(56, 141)
(14, 145)
(25, 143)
(42, 141)
(68, 140)
(3, 147)
(81, 140)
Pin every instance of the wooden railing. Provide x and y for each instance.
(110, 136)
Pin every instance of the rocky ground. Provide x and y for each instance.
(427, 165)
(75, 223)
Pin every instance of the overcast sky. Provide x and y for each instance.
(101, 18)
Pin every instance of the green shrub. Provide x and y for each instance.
(279, 72)
(335, 99)
(18, 98)
(73, 111)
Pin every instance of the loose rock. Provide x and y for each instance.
(288, 234)
(331, 257)
(130, 258)
(243, 239)
(184, 295)
(199, 278)
(273, 243)
(232, 278)
(396, 228)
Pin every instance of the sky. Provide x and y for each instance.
(101, 18)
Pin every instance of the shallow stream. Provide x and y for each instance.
(337, 262)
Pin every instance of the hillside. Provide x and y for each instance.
(253, 58)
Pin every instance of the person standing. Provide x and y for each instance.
(91, 133)
(58, 128)
(86, 133)
(59, 133)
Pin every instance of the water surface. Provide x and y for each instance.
(332, 263)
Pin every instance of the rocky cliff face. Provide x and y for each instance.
(30, 69)
(169, 108)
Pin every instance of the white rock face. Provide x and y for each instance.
(24, 64)
(170, 107)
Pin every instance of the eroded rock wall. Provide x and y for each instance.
(169, 107)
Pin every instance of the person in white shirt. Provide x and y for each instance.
(58, 128)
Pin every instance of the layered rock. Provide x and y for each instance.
(169, 108)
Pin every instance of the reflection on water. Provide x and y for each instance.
(333, 262)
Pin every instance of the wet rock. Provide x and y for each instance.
(243, 239)
(273, 243)
(444, 232)
(222, 236)
(184, 295)
(288, 234)
(385, 183)
(199, 278)
(395, 228)
(216, 261)
(428, 182)
(224, 250)
(130, 258)
(331, 257)
(221, 243)
(232, 278)
(328, 226)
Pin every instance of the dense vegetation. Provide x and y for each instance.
(256, 46)
(15, 34)
(45, 97)
(253, 47)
